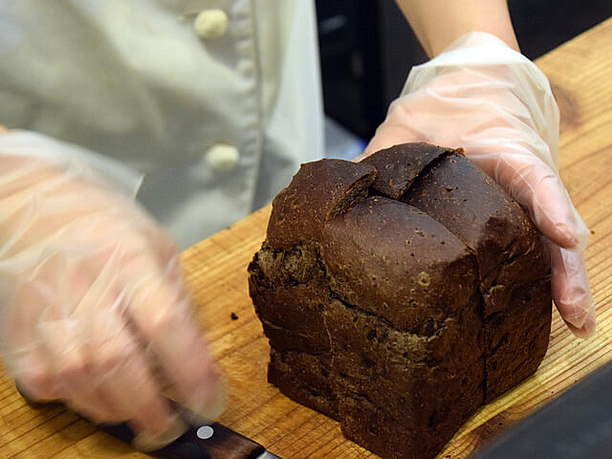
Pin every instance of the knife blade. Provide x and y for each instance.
(575, 425)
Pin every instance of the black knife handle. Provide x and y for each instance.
(211, 441)
(223, 443)
(218, 442)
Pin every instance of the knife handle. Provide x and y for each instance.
(211, 441)
(214, 441)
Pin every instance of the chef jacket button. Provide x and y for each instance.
(211, 24)
(222, 157)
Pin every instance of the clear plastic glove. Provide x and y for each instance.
(93, 307)
(481, 95)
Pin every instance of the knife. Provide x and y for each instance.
(206, 441)
(575, 425)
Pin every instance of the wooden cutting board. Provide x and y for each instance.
(580, 73)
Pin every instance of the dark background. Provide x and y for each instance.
(367, 49)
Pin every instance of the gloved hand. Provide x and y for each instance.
(481, 95)
(93, 302)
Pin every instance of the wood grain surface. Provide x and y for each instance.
(580, 73)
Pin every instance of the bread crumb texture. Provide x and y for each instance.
(399, 294)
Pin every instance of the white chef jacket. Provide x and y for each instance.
(216, 102)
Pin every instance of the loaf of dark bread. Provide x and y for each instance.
(399, 294)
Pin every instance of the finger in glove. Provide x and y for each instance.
(571, 291)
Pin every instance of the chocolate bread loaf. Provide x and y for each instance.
(399, 294)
